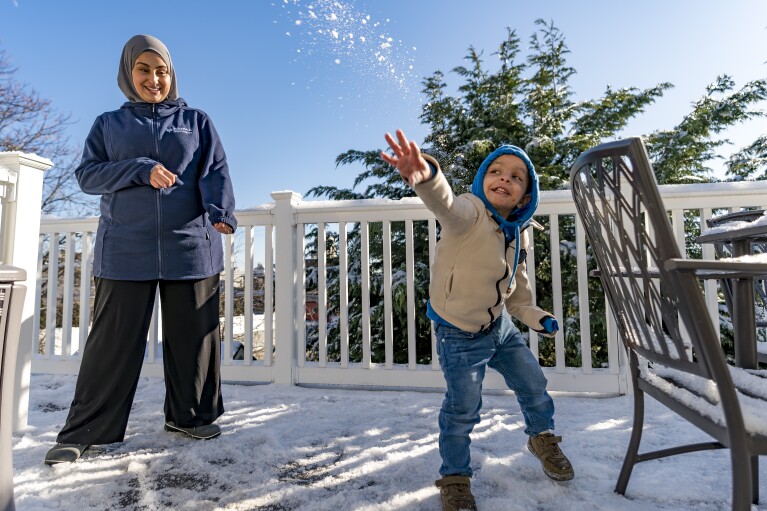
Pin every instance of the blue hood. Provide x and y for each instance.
(520, 217)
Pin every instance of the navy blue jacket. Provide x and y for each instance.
(146, 233)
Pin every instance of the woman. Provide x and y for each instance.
(166, 197)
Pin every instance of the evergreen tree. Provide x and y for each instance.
(749, 161)
(682, 154)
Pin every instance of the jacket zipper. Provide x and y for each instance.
(158, 192)
(499, 295)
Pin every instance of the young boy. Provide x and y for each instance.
(479, 279)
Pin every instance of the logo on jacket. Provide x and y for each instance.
(174, 129)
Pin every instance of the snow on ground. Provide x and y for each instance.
(306, 449)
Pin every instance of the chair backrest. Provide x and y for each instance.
(746, 215)
(661, 316)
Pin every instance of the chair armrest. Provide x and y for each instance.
(710, 269)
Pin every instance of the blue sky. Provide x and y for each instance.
(287, 99)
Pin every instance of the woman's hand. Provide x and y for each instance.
(223, 228)
(160, 177)
(407, 159)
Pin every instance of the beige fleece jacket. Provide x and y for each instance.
(470, 278)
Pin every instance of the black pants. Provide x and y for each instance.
(114, 354)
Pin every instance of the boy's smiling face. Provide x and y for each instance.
(505, 184)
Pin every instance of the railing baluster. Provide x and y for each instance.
(365, 284)
(533, 338)
(52, 296)
(38, 297)
(583, 294)
(229, 265)
(410, 269)
(710, 285)
(300, 306)
(155, 327)
(432, 248)
(268, 294)
(85, 288)
(322, 291)
(387, 287)
(343, 293)
(68, 295)
(556, 289)
(247, 297)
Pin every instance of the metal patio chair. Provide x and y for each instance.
(11, 303)
(673, 351)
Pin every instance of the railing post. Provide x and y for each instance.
(285, 279)
(21, 181)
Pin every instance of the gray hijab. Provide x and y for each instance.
(135, 46)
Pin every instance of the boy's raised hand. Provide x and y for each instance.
(407, 159)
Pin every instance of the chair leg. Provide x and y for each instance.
(755, 479)
(632, 453)
(743, 490)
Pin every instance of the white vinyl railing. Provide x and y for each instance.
(264, 309)
(275, 236)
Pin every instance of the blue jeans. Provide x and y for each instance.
(463, 357)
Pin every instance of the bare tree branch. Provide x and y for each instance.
(30, 124)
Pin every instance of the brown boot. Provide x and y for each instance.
(455, 492)
(555, 464)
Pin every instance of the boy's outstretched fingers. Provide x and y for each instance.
(390, 141)
(406, 158)
(396, 148)
(403, 143)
